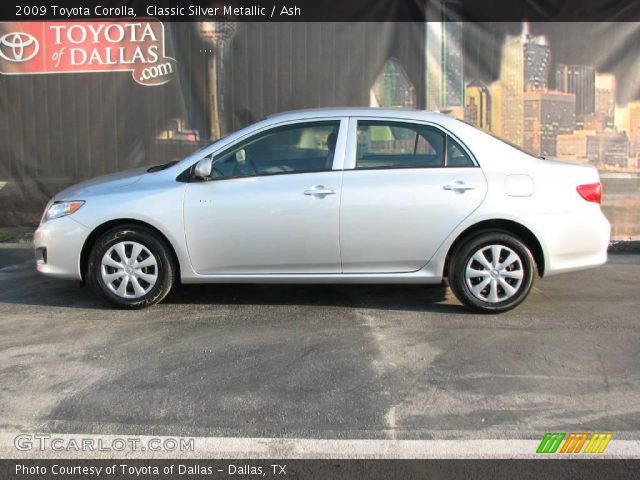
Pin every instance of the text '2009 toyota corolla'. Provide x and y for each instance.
(333, 195)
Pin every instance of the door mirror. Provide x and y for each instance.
(203, 168)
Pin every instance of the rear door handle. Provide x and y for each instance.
(319, 191)
(458, 186)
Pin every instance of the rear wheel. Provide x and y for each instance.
(492, 272)
(131, 267)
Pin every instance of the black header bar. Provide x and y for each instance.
(327, 10)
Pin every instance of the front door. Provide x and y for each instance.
(271, 205)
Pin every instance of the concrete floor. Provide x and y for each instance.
(398, 362)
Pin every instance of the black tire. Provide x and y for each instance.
(460, 284)
(165, 268)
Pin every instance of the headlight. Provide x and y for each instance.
(61, 209)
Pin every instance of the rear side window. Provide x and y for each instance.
(456, 155)
(383, 144)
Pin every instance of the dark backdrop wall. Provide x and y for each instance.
(61, 128)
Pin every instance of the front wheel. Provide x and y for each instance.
(131, 267)
(492, 272)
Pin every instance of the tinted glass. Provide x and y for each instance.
(398, 145)
(456, 156)
(289, 149)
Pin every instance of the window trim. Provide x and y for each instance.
(339, 156)
(258, 136)
(352, 144)
(464, 150)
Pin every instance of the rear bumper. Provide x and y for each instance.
(571, 241)
(58, 244)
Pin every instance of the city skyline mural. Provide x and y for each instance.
(559, 90)
(569, 111)
(526, 83)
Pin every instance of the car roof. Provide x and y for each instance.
(401, 113)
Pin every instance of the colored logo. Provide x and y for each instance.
(18, 47)
(88, 46)
(574, 442)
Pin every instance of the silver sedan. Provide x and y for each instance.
(332, 195)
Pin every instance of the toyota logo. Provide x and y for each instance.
(18, 47)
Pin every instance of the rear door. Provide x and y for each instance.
(406, 186)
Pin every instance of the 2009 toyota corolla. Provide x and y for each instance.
(333, 195)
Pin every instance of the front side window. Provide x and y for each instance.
(307, 147)
(384, 144)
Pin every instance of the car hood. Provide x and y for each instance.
(101, 184)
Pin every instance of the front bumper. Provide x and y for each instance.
(58, 244)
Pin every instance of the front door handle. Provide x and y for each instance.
(458, 186)
(319, 191)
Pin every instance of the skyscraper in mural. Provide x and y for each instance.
(580, 80)
(547, 114)
(393, 88)
(444, 61)
(477, 104)
(512, 89)
(524, 66)
(496, 108)
(605, 101)
(634, 128)
(537, 56)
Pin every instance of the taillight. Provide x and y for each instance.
(591, 192)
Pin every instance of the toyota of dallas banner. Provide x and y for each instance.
(96, 46)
